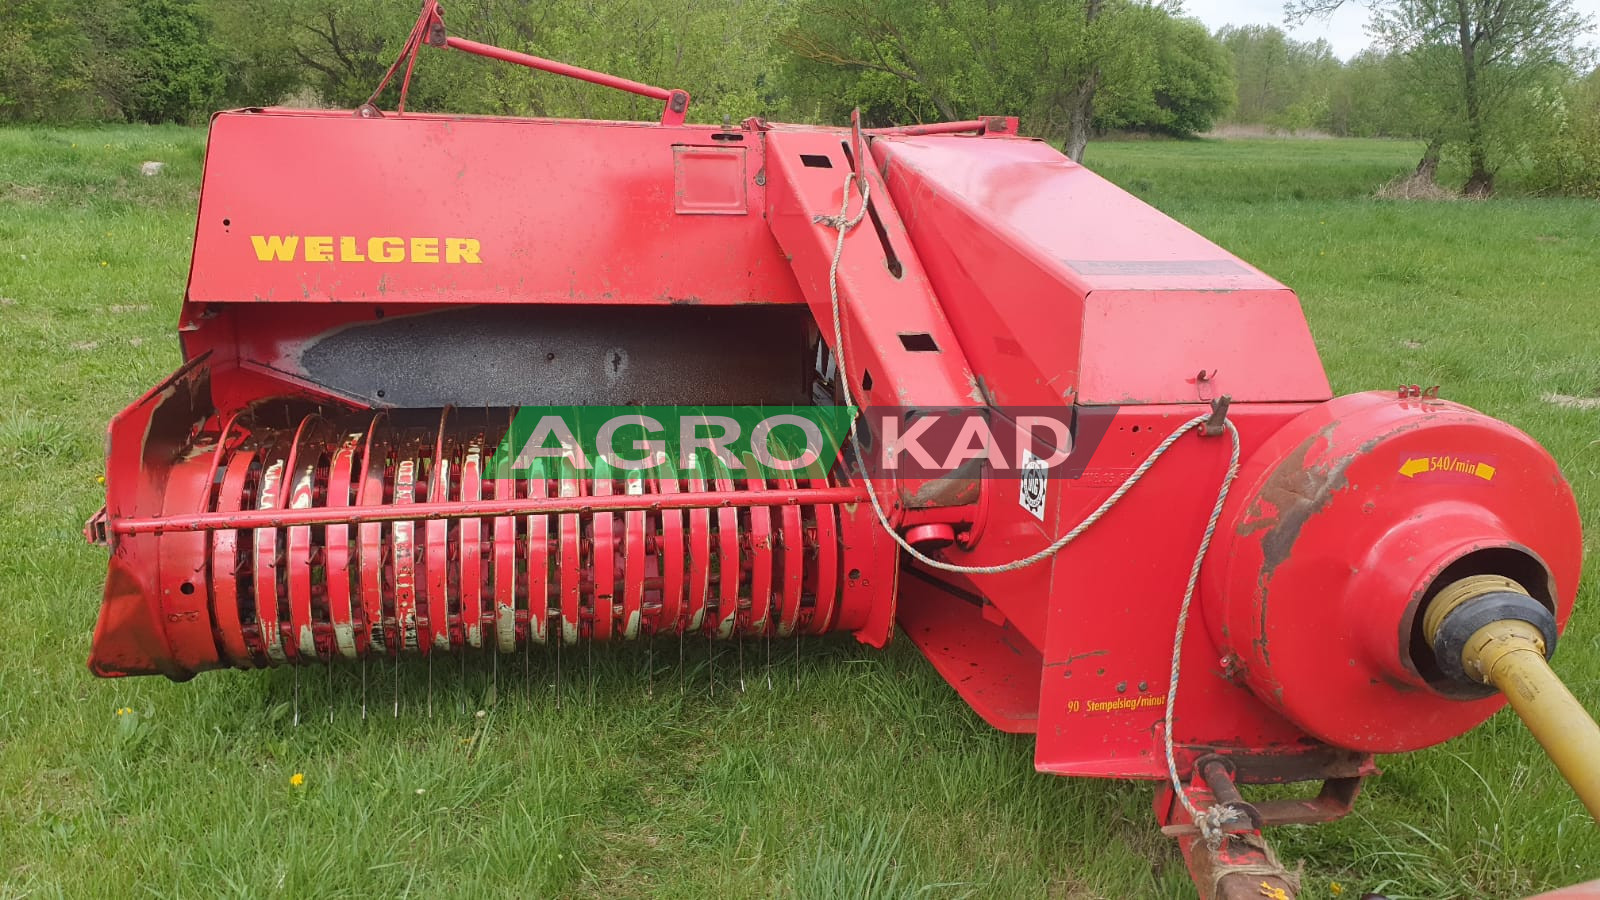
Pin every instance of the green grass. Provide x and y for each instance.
(857, 773)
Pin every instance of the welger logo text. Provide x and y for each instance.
(321, 248)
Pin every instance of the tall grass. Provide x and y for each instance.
(857, 773)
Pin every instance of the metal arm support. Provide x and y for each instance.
(677, 101)
(429, 29)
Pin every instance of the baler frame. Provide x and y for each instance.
(221, 521)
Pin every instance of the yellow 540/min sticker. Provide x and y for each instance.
(1447, 464)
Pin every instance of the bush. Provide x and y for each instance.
(1568, 160)
(176, 73)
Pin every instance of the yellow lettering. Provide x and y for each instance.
(461, 250)
(386, 249)
(272, 247)
(349, 249)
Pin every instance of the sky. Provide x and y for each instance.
(1345, 29)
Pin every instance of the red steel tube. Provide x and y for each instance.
(412, 512)
(559, 68)
(974, 125)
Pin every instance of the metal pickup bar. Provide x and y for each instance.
(283, 518)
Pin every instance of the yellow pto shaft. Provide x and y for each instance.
(1509, 654)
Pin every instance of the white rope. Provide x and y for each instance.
(1211, 821)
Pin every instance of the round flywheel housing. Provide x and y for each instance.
(1340, 529)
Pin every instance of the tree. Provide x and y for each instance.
(1367, 98)
(338, 49)
(1191, 85)
(62, 61)
(719, 50)
(175, 72)
(1566, 160)
(1195, 85)
(1480, 58)
(1282, 82)
(1065, 67)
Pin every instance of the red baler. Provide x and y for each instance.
(1220, 574)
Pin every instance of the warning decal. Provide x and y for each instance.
(1035, 482)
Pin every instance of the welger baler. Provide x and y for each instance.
(1212, 573)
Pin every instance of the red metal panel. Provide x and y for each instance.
(709, 181)
(561, 212)
(991, 666)
(1066, 283)
(898, 348)
(181, 570)
(879, 305)
(130, 637)
(1108, 645)
(1149, 346)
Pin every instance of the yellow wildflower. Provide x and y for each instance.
(297, 779)
(122, 711)
(1336, 888)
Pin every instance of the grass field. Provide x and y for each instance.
(856, 773)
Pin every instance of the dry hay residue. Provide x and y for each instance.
(1415, 187)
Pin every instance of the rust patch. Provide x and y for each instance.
(1304, 493)
(959, 488)
(1075, 657)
